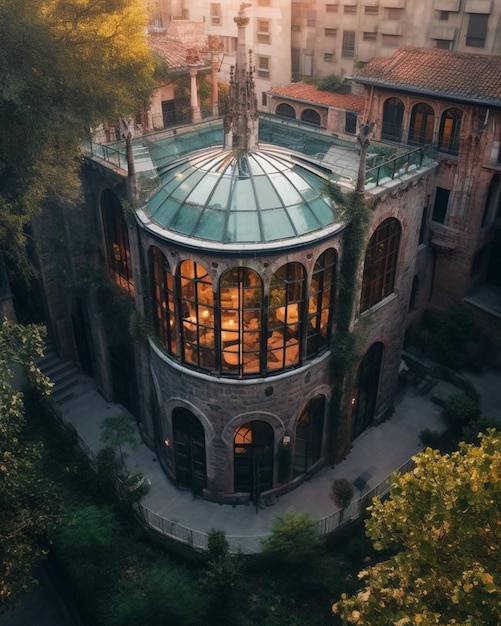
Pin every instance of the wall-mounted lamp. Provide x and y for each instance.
(286, 440)
(166, 442)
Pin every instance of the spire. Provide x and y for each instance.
(241, 119)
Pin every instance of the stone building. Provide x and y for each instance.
(451, 101)
(212, 306)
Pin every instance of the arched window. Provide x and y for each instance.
(393, 113)
(285, 110)
(189, 450)
(162, 295)
(285, 313)
(116, 237)
(320, 303)
(197, 306)
(241, 302)
(365, 396)
(311, 117)
(253, 458)
(422, 121)
(309, 429)
(380, 264)
(450, 127)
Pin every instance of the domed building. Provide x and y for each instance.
(234, 262)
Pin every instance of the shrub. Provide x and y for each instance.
(430, 439)
(293, 540)
(342, 492)
(462, 409)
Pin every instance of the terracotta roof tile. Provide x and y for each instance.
(446, 73)
(309, 93)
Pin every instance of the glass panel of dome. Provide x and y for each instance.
(201, 191)
(211, 225)
(221, 192)
(185, 220)
(312, 181)
(167, 212)
(243, 195)
(303, 219)
(243, 226)
(285, 190)
(322, 211)
(156, 201)
(302, 184)
(276, 224)
(267, 197)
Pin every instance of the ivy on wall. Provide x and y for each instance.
(344, 344)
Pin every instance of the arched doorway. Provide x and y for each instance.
(393, 114)
(309, 431)
(189, 450)
(253, 446)
(365, 396)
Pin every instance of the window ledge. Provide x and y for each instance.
(380, 304)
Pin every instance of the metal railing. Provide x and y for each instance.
(399, 165)
(111, 154)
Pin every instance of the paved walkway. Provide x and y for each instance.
(375, 454)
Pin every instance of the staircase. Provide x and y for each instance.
(64, 374)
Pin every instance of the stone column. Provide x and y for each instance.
(195, 107)
(215, 93)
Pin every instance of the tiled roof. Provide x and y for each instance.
(309, 93)
(432, 71)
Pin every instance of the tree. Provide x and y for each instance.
(66, 66)
(119, 430)
(341, 494)
(442, 521)
(293, 541)
(28, 503)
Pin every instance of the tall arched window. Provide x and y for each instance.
(320, 303)
(365, 397)
(285, 313)
(380, 264)
(450, 127)
(311, 117)
(162, 295)
(253, 458)
(197, 306)
(241, 302)
(393, 113)
(285, 110)
(309, 429)
(422, 122)
(116, 237)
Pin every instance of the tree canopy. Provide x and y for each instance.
(442, 522)
(28, 504)
(66, 66)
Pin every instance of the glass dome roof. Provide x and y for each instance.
(255, 199)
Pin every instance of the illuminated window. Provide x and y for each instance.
(197, 306)
(321, 302)
(116, 237)
(422, 121)
(393, 113)
(380, 265)
(162, 286)
(450, 127)
(285, 313)
(241, 307)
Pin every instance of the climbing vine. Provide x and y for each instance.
(344, 345)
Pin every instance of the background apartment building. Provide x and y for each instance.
(292, 40)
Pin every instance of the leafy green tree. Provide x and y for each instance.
(442, 520)
(119, 430)
(293, 540)
(341, 494)
(66, 66)
(28, 503)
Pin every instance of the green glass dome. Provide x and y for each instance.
(256, 200)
